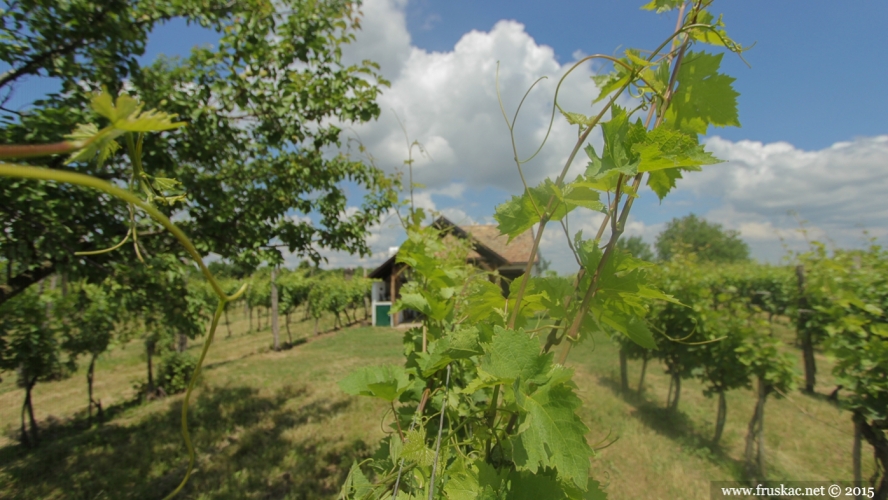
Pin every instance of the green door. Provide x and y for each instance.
(382, 315)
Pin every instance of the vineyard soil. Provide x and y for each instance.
(275, 425)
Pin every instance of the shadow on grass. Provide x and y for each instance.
(242, 452)
(675, 426)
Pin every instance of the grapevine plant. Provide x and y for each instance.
(482, 407)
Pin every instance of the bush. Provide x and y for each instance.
(175, 371)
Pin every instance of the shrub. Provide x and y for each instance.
(175, 371)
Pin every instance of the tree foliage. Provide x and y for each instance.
(260, 106)
(708, 240)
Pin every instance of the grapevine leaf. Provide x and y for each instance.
(716, 34)
(415, 448)
(577, 118)
(170, 200)
(582, 194)
(516, 216)
(531, 302)
(415, 301)
(662, 6)
(629, 325)
(463, 483)
(652, 293)
(490, 479)
(126, 114)
(166, 184)
(555, 290)
(106, 148)
(149, 121)
(104, 105)
(96, 141)
(552, 434)
(666, 148)
(385, 382)
(527, 486)
(460, 344)
(395, 445)
(356, 483)
(635, 57)
(521, 212)
(638, 332)
(485, 299)
(663, 181)
(610, 82)
(514, 355)
(617, 156)
(593, 491)
(588, 251)
(703, 97)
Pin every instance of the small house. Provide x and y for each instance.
(491, 251)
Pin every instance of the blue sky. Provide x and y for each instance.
(815, 65)
(814, 138)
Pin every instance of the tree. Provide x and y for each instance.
(708, 240)
(91, 318)
(636, 247)
(31, 347)
(261, 108)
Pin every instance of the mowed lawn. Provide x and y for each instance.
(274, 425)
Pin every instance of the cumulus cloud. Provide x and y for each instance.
(767, 189)
(447, 101)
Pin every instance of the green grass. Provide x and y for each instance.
(274, 425)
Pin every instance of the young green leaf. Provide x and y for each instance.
(415, 449)
(661, 6)
(619, 138)
(521, 212)
(610, 82)
(715, 34)
(663, 181)
(665, 148)
(514, 355)
(552, 434)
(577, 118)
(386, 382)
(703, 97)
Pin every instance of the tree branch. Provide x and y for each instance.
(23, 280)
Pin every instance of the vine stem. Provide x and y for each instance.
(203, 354)
(533, 251)
(440, 430)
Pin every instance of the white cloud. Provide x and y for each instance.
(447, 101)
(383, 37)
(838, 191)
